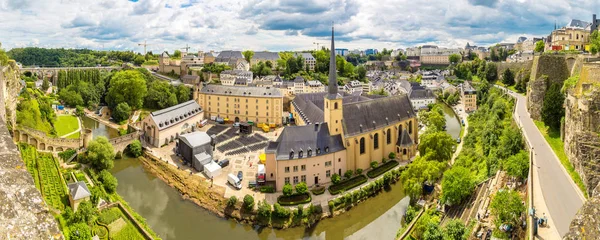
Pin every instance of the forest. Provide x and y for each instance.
(60, 57)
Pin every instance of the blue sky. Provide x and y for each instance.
(277, 25)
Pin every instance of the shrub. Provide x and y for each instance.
(348, 174)
(135, 148)
(331, 206)
(318, 190)
(280, 211)
(119, 155)
(411, 213)
(248, 202)
(359, 171)
(347, 184)
(232, 201)
(373, 173)
(264, 210)
(287, 189)
(374, 164)
(392, 155)
(109, 181)
(301, 188)
(335, 178)
(294, 199)
(267, 189)
(383, 160)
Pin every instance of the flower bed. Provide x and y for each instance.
(347, 184)
(294, 199)
(382, 168)
(318, 190)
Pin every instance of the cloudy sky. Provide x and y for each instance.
(277, 25)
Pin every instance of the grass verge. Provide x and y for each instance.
(66, 124)
(557, 145)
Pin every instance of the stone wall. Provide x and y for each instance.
(556, 68)
(513, 66)
(582, 125)
(10, 87)
(586, 221)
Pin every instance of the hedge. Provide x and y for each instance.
(382, 168)
(318, 190)
(267, 189)
(347, 184)
(294, 199)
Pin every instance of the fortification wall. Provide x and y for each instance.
(545, 70)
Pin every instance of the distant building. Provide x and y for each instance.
(309, 60)
(233, 59)
(430, 79)
(371, 51)
(164, 126)
(574, 36)
(420, 97)
(468, 97)
(195, 149)
(78, 192)
(434, 55)
(265, 57)
(341, 51)
(229, 77)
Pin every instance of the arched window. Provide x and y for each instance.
(335, 105)
(409, 127)
(362, 145)
(389, 136)
(376, 141)
(404, 151)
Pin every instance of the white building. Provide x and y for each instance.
(228, 77)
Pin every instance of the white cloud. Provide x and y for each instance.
(279, 25)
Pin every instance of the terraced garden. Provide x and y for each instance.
(118, 225)
(44, 169)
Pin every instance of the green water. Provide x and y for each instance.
(452, 124)
(99, 129)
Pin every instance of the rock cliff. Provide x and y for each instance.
(586, 222)
(546, 70)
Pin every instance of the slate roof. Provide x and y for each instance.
(306, 56)
(312, 104)
(574, 23)
(240, 81)
(365, 116)
(420, 92)
(79, 190)
(240, 91)
(225, 56)
(299, 79)
(304, 138)
(195, 139)
(172, 115)
(266, 56)
(404, 139)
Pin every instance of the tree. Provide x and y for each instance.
(248, 202)
(127, 86)
(433, 119)
(109, 181)
(248, 54)
(264, 211)
(491, 72)
(433, 232)
(361, 71)
(392, 155)
(139, 60)
(301, 188)
(287, 189)
(508, 77)
(438, 143)
(45, 84)
(135, 148)
(457, 184)
(177, 54)
(161, 95)
(79, 111)
(348, 174)
(517, 165)
(511, 142)
(455, 230)
(454, 58)
(232, 201)
(595, 42)
(552, 108)
(80, 231)
(121, 112)
(539, 46)
(100, 153)
(85, 213)
(507, 207)
(335, 178)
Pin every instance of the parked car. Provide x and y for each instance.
(223, 163)
(458, 140)
(236, 124)
(234, 181)
(240, 175)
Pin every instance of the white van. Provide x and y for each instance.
(234, 181)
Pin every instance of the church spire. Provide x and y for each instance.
(332, 69)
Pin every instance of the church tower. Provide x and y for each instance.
(333, 112)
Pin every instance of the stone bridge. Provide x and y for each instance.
(44, 142)
(52, 72)
(120, 143)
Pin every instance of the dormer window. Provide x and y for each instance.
(309, 153)
(300, 154)
(292, 154)
(326, 149)
(318, 151)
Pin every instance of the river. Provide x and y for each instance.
(452, 124)
(172, 217)
(99, 129)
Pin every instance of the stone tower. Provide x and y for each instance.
(333, 112)
(87, 137)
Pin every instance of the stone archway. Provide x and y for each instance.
(42, 146)
(51, 148)
(59, 149)
(24, 138)
(33, 142)
(17, 135)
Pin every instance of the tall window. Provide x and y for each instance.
(295, 180)
(362, 145)
(328, 173)
(389, 136)
(287, 180)
(287, 169)
(295, 168)
(335, 105)
(303, 178)
(410, 127)
(376, 141)
(303, 167)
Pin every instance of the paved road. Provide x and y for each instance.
(562, 197)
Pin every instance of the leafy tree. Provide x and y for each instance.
(264, 210)
(454, 58)
(248, 54)
(248, 202)
(511, 142)
(455, 230)
(121, 112)
(491, 72)
(594, 42)
(127, 86)
(80, 231)
(552, 108)
(160, 95)
(361, 71)
(79, 111)
(433, 119)
(70, 97)
(301, 188)
(508, 78)
(45, 84)
(100, 153)
(507, 207)
(232, 201)
(139, 60)
(135, 148)
(287, 189)
(85, 213)
(335, 178)
(423, 224)
(457, 184)
(177, 54)
(419, 171)
(433, 232)
(517, 165)
(539, 46)
(109, 181)
(438, 143)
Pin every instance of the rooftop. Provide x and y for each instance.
(314, 138)
(79, 190)
(265, 56)
(195, 139)
(175, 114)
(241, 91)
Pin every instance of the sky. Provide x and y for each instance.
(278, 25)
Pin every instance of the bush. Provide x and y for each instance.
(347, 184)
(348, 174)
(287, 189)
(392, 155)
(383, 160)
(109, 181)
(294, 199)
(301, 188)
(411, 213)
(264, 209)
(248, 202)
(280, 211)
(382, 169)
(374, 164)
(65, 155)
(318, 190)
(121, 112)
(267, 189)
(359, 171)
(335, 178)
(232, 201)
(135, 148)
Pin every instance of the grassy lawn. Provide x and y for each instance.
(75, 135)
(553, 139)
(66, 124)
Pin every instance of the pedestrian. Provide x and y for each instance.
(478, 217)
(211, 181)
